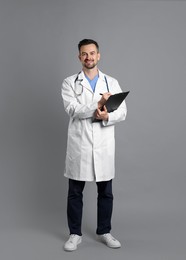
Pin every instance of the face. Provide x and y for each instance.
(89, 56)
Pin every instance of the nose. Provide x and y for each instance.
(88, 56)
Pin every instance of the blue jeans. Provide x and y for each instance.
(75, 206)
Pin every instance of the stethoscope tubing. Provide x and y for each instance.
(78, 94)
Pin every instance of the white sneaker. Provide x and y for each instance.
(110, 241)
(72, 242)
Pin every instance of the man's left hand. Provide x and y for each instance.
(101, 115)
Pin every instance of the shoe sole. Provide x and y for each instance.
(114, 247)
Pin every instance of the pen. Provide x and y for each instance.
(101, 94)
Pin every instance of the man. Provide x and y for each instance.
(91, 145)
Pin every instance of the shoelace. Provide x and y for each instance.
(109, 237)
(71, 238)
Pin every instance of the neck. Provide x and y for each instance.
(90, 73)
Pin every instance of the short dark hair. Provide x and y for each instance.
(86, 42)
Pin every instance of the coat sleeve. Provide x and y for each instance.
(71, 104)
(119, 114)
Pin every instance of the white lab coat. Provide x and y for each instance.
(90, 152)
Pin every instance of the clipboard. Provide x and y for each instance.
(113, 102)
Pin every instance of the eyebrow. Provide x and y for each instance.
(86, 52)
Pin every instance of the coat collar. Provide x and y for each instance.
(84, 82)
(81, 76)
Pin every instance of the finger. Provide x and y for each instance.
(98, 111)
(96, 114)
(105, 109)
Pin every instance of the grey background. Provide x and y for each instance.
(142, 44)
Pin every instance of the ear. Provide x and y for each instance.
(99, 56)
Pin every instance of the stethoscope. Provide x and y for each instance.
(79, 93)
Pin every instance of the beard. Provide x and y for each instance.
(90, 66)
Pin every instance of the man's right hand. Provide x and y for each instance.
(103, 99)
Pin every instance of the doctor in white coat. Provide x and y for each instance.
(90, 152)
